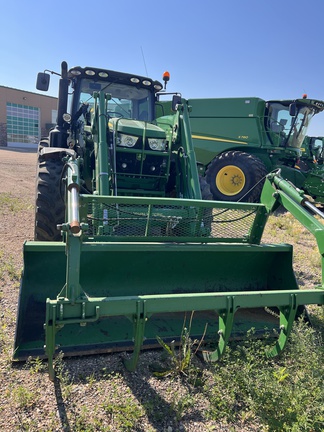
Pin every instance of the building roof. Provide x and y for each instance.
(26, 91)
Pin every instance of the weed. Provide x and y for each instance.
(154, 411)
(23, 397)
(180, 404)
(91, 379)
(8, 267)
(63, 376)
(85, 422)
(35, 365)
(11, 203)
(123, 413)
(180, 357)
(7, 319)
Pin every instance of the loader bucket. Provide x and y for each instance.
(128, 270)
(115, 288)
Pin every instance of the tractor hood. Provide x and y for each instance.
(135, 127)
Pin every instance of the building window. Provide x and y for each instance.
(22, 124)
(54, 116)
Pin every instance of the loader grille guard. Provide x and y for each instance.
(132, 264)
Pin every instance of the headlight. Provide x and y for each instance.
(67, 117)
(126, 140)
(157, 144)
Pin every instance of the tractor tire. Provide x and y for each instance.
(205, 189)
(206, 195)
(50, 205)
(236, 176)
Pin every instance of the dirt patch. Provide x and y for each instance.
(17, 172)
(17, 180)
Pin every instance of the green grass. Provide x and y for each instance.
(283, 394)
(11, 203)
(123, 412)
(7, 267)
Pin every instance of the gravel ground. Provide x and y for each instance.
(92, 392)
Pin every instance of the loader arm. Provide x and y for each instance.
(278, 191)
(189, 155)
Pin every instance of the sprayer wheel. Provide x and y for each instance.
(236, 176)
(50, 206)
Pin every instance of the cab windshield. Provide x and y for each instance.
(126, 101)
(285, 130)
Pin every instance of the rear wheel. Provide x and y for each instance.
(236, 176)
(50, 206)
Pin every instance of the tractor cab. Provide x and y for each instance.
(316, 148)
(286, 122)
(139, 150)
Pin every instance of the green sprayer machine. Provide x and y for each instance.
(128, 243)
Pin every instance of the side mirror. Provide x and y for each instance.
(43, 80)
(293, 109)
(176, 100)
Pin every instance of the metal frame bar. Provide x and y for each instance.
(139, 309)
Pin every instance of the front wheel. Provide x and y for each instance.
(49, 206)
(236, 176)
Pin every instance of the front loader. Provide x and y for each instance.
(128, 242)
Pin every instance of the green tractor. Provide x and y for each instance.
(134, 155)
(239, 140)
(129, 247)
(312, 152)
(311, 165)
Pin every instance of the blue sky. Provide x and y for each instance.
(212, 48)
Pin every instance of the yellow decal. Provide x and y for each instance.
(217, 139)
